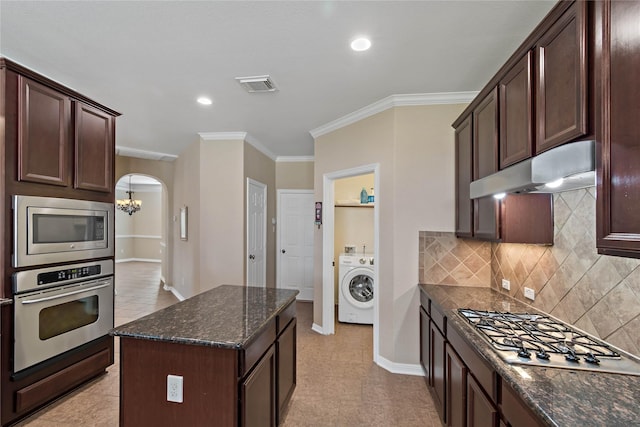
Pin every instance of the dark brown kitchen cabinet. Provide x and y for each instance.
(516, 114)
(44, 119)
(286, 367)
(258, 393)
(514, 411)
(425, 345)
(561, 80)
(481, 412)
(94, 148)
(456, 389)
(436, 339)
(617, 51)
(464, 175)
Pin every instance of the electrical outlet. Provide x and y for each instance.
(529, 293)
(506, 284)
(174, 388)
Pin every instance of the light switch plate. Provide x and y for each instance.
(506, 284)
(529, 293)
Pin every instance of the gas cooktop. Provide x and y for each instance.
(539, 340)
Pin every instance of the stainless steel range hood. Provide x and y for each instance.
(574, 163)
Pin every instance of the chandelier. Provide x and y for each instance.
(129, 205)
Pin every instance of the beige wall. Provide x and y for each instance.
(414, 148)
(261, 168)
(596, 293)
(186, 259)
(294, 175)
(163, 171)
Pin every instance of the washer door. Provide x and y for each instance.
(357, 287)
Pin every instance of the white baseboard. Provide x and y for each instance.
(317, 328)
(138, 260)
(174, 291)
(401, 368)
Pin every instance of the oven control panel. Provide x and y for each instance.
(49, 277)
(68, 274)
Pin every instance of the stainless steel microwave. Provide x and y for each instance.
(49, 230)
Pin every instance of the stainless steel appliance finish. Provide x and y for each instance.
(539, 340)
(60, 308)
(51, 230)
(575, 162)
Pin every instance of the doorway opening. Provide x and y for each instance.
(142, 236)
(330, 256)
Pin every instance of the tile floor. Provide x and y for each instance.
(338, 384)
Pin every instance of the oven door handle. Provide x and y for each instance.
(79, 291)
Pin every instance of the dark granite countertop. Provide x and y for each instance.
(560, 397)
(5, 301)
(226, 316)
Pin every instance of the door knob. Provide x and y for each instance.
(284, 251)
(252, 257)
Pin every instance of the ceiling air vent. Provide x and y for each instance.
(257, 84)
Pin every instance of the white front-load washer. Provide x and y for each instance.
(356, 298)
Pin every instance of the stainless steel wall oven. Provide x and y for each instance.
(49, 230)
(57, 309)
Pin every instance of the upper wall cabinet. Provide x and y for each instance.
(464, 174)
(58, 143)
(617, 52)
(516, 115)
(44, 120)
(561, 83)
(94, 147)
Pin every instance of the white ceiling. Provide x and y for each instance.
(151, 60)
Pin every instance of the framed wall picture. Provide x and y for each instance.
(183, 222)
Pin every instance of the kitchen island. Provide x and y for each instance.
(230, 352)
(465, 371)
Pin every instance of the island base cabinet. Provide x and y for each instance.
(286, 357)
(258, 393)
(210, 384)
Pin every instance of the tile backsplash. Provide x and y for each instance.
(597, 293)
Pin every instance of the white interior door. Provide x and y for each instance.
(296, 216)
(256, 233)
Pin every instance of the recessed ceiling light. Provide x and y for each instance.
(361, 44)
(204, 100)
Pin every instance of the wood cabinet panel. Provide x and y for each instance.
(94, 148)
(481, 412)
(456, 384)
(286, 369)
(258, 403)
(425, 345)
(617, 127)
(516, 113)
(527, 218)
(43, 134)
(514, 411)
(486, 218)
(485, 136)
(561, 84)
(464, 174)
(438, 368)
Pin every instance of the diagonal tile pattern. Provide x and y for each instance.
(338, 383)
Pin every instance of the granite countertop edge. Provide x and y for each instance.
(5, 301)
(521, 386)
(119, 331)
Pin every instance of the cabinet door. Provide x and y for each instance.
(464, 173)
(437, 363)
(516, 113)
(286, 355)
(425, 346)
(258, 393)
(94, 149)
(485, 162)
(561, 85)
(43, 134)
(618, 128)
(480, 410)
(456, 383)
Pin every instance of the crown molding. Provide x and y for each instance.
(144, 154)
(242, 136)
(293, 159)
(392, 102)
